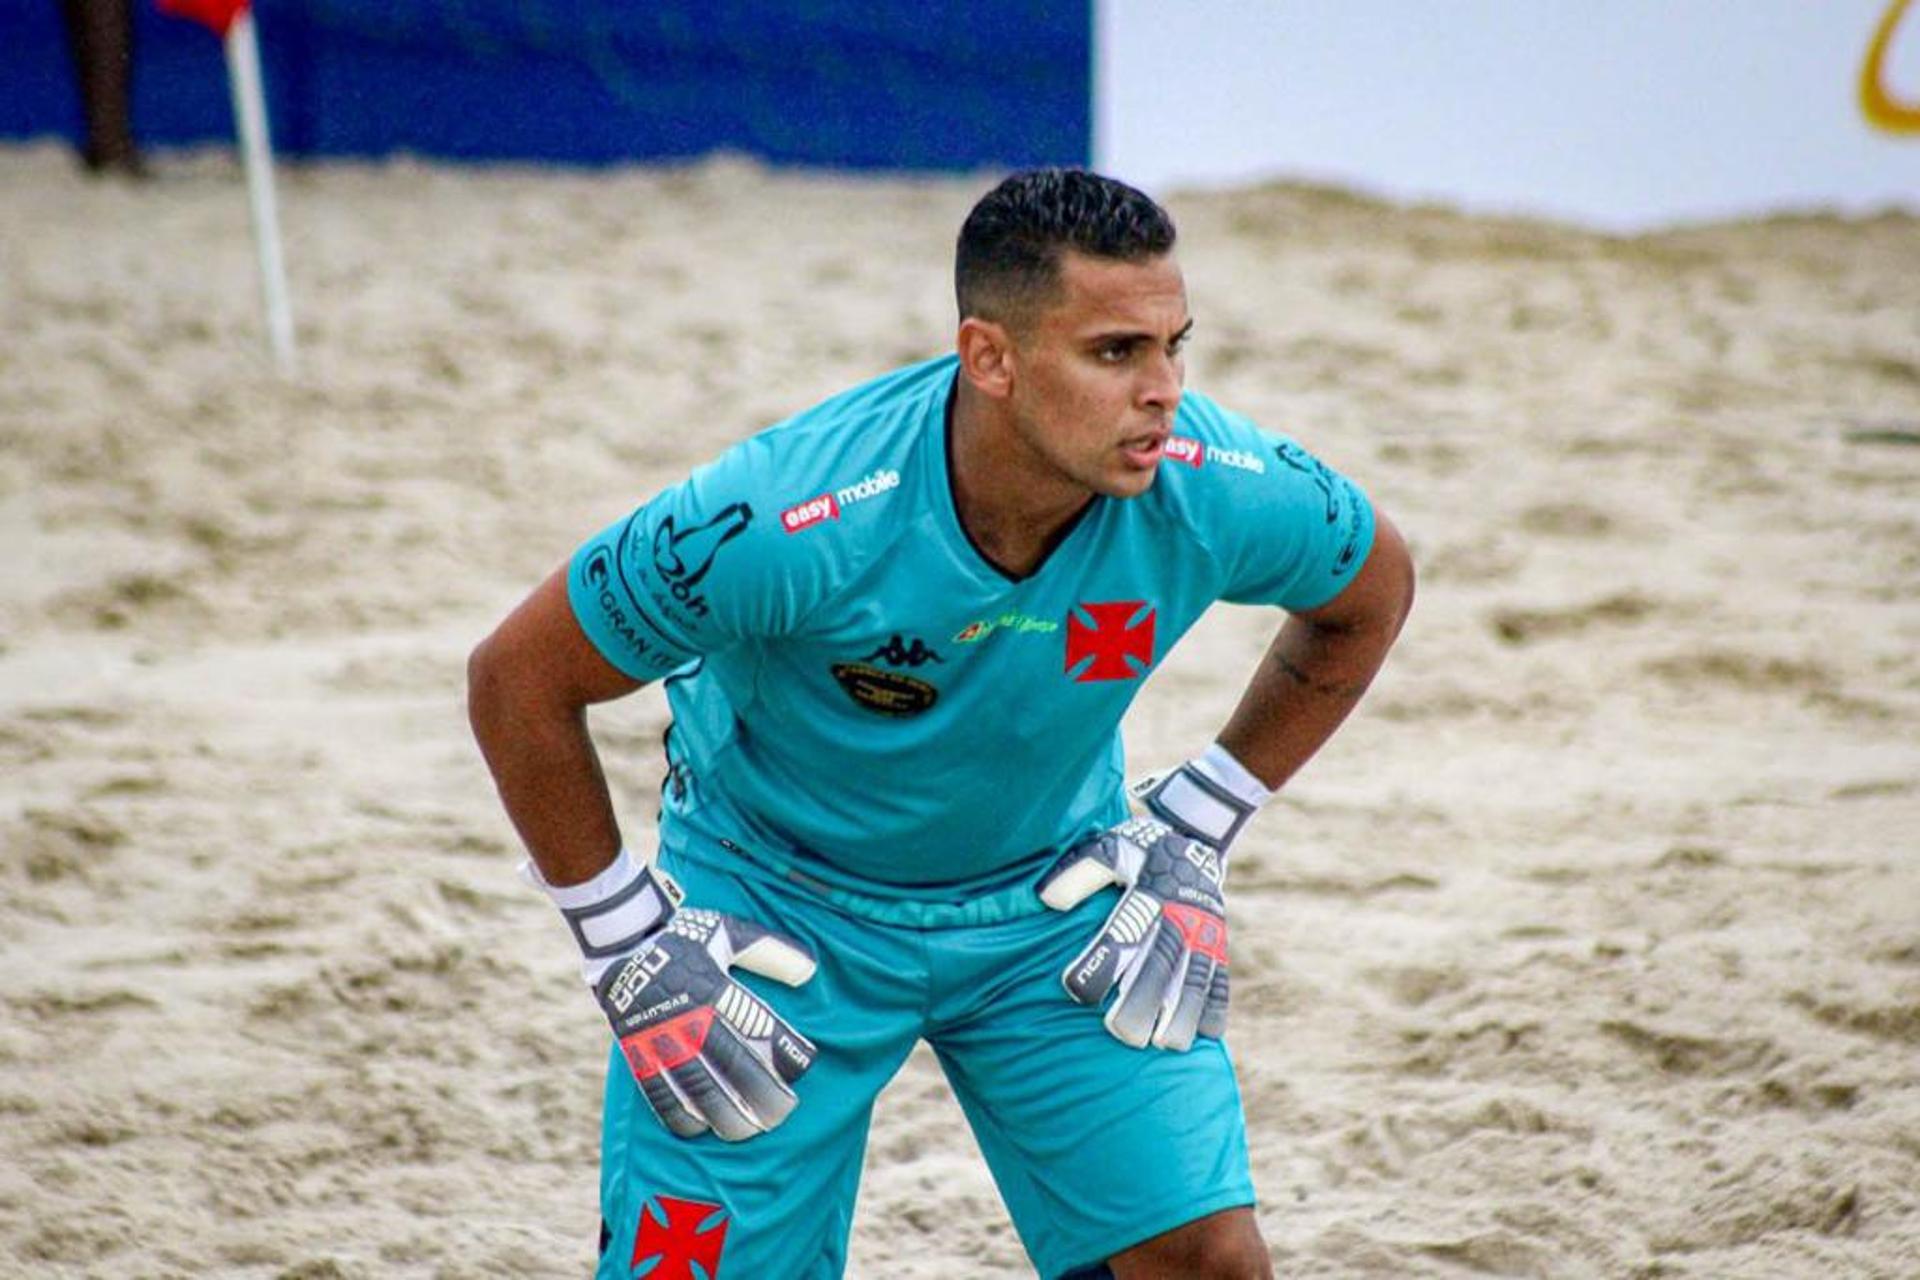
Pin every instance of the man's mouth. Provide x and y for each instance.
(1145, 450)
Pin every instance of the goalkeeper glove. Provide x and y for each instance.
(705, 1051)
(1164, 947)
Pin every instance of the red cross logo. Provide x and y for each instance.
(1115, 642)
(694, 1233)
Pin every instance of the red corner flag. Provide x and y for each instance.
(215, 14)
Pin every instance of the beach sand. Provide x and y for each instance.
(1591, 947)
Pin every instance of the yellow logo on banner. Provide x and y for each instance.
(1882, 109)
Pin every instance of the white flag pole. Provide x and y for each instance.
(256, 153)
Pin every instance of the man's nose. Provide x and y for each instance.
(1161, 384)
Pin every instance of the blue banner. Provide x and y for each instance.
(951, 85)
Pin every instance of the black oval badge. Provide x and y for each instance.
(887, 692)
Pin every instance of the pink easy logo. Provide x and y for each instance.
(809, 513)
(1189, 451)
(829, 505)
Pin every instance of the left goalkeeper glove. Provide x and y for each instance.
(706, 1053)
(1165, 943)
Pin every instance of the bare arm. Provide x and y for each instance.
(528, 688)
(1320, 664)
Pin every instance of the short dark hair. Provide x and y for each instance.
(1008, 256)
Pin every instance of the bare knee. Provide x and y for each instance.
(1221, 1246)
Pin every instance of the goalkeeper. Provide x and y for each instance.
(898, 633)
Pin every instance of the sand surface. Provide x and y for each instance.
(1591, 948)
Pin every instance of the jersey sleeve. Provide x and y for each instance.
(1294, 532)
(698, 568)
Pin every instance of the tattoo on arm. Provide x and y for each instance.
(1345, 691)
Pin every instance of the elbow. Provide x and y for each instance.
(1398, 576)
(510, 689)
(1408, 588)
(483, 685)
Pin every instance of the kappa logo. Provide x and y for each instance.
(827, 506)
(896, 652)
(1110, 640)
(683, 557)
(686, 1234)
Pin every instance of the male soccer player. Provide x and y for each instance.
(898, 633)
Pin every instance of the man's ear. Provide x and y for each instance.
(986, 356)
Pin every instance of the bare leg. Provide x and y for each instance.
(1221, 1246)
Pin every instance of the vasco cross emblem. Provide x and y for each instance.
(1110, 640)
(693, 1234)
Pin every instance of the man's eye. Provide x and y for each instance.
(1116, 352)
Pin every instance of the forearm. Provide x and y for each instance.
(528, 688)
(548, 775)
(1311, 678)
(1320, 664)
(550, 780)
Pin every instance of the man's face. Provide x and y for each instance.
(1099, 371)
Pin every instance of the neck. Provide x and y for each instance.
(1013, 505)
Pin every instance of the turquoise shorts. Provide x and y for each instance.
(1094, 1146)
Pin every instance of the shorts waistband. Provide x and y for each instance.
(1008, 895)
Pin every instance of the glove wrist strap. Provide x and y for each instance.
(1209, 798)
(615, 911)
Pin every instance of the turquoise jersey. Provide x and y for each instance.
(861, 697)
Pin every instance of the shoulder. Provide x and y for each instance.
(810, 501)
(849, 450)
(849, 440)
(723, 556)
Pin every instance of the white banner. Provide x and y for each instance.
(1622, 113)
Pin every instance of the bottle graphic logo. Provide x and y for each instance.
(682, 557)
